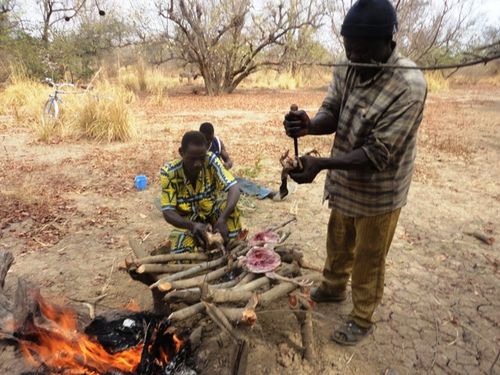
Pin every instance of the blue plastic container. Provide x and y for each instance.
(140, 182)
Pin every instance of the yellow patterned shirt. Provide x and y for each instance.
(195, 202)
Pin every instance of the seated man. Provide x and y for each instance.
(215, 144)
(191, 196)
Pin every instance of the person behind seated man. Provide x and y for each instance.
(191, 197)
(215, 144)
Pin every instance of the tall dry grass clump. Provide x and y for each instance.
(105, 116)
(436, 81)
(23, 97)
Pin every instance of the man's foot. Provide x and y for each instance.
(318, 295)
(350, 334)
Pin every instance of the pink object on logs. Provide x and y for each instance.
(265, 237)
(261, 260)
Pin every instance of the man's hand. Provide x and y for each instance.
(297, 124)
(199, 231)
(228, 164)
(221, 227)
(310, 169)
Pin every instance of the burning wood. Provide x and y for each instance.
(49, 337)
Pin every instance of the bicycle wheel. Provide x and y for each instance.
(50, 111)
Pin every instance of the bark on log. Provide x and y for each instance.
(278, 291)
(228, 295)
(6, 260)
(163, 268)
(159, 306)
(220, 319)
(187, 296)
(201, 267)
(304, 318)
(187, 312)
(194, 281)
(171, 258)
(249, 277)
(246, 315)
(261, 282)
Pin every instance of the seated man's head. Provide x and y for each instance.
(208, 130)
(367, 29)
(193, 151)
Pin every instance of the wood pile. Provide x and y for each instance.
(223, 287)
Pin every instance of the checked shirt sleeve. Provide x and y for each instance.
(168, 198)
(392, 132)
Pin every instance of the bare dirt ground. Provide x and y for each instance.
(68, 209)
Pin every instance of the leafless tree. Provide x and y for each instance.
(226, 39)
(54, 11)
(428, 29)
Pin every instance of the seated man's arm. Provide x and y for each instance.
(168, 200)
(228, 163)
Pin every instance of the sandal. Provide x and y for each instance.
(350, 334)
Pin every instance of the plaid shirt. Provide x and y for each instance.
(195, 202)
(382, 117)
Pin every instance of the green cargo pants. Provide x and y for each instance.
(357, 247)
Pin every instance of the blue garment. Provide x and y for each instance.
(216, 146)
(251, 188)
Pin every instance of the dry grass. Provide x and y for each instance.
(106, 116)
(436, 82)
(152, 81)
(272, 79)
(23, 98)
(102, 114)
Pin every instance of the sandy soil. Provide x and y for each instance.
(68, 210)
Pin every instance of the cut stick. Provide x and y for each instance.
(245, 280)
(220, 319)
(187, 312)
(166, 286)
(261, 282)
(193, 295)
(195, 337)
(163, 268)
(230, 283)
(246, 315)
(278, 291)
(482, 237)
(165, 258)
(228, 295)
(302, 307)
(188, 296)
(201, 267)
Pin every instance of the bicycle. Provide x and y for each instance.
(51, 107)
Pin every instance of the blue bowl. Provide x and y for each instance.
(140, 182)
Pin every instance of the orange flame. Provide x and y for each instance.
(60, 347)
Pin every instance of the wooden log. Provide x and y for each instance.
(187, 312)
(276, 292)
(188, 296)
(249, 277)
(163, 268)
(195, 338)
(165, 258)
(230, 283)
(6, 260)
(246, 315)
(228, 295)
(159, 306)
(201, 267)
(166, 286)
(220, 319)
(261, 282)
(301, 306)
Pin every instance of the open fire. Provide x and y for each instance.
(131, 343)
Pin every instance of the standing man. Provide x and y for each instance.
(375, 114)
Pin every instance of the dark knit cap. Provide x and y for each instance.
(370, 19)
